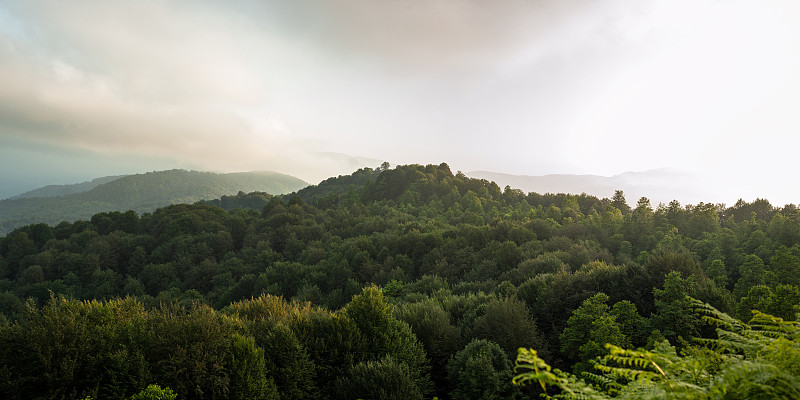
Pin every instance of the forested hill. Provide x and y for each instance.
(141, 193)
(326, 192)
(63, 190)
(406, 283)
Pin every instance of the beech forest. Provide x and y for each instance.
(406, 283)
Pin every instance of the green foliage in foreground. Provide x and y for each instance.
(155, 392)
(263, 348)
(759, 360)
(481, 371)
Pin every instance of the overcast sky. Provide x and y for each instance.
(529, 87)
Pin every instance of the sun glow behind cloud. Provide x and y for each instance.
(712, 95)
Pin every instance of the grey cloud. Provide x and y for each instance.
(136, 77)
(458, 35)
(513, 85)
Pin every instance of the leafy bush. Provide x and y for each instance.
(155, 392)
(480, 371)
(384, 379)
(759, 360)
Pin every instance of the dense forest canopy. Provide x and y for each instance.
(410, 282)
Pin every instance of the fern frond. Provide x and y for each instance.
(636, 375)
(639, 358)
(610, 385)
(774, 326)
(717, 318)
(756, 380)
(642, 391)
(536, 370)
(759, 360)
(736, 343)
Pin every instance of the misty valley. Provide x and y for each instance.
(410, 282)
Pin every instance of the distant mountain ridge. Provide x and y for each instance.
(659, 185)
(63, 190)
(140, 192)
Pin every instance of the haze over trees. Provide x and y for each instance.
(410, 282)
(140, 192)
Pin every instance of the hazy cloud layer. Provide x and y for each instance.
(519, 86)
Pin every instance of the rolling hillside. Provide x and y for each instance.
(63, 190)
(140, 192)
